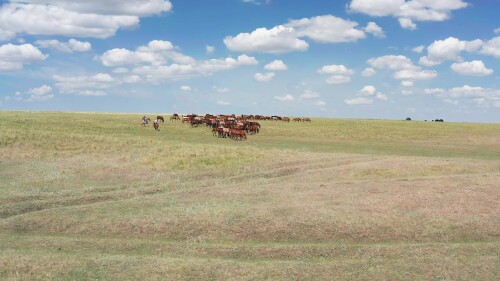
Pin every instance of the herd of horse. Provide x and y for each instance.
(223, 126)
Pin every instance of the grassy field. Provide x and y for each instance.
(96, 196)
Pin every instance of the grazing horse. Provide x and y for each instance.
(156, 125)
(175, 117)
(145, 121)
(306, 120)
(159, 117)
(237, 134)
(297, 119)
(285, 119)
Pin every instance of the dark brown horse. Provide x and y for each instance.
(159, 117)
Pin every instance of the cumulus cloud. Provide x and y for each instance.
(109, 7)
(418, 49)
(374, 30)
(358, 101)
(85, 85)
(14, 57)
(286, 98)
(407, 83)
(277, 40)
(308, 94)
(484, 97)
(368, 90)
(185, 88)
(71, 46)
(329, 29)
(156, 52)
(132, 79)
(37, 19)
(491, 48)
(320, 103)
(473, 68)
(404, 68)
(406, 92)
(368, 72)
(408, 11)
(391, 62)
(448, 49)
(415, 74)
(276, 65)
(120, 70)
(42, 93)
(266, 77)
(338, 79)
(339, 73)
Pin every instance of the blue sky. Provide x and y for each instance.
(384, 59)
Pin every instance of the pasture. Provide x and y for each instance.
(87, 196)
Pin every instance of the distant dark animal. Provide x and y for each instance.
(156, 125)
(408, 119)
(439, 120)
(159, 117)
(306, 119)
(297, 120)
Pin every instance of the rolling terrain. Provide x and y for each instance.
(96, 196)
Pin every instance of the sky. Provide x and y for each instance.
(370, 59)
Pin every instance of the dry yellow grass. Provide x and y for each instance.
(103, 198)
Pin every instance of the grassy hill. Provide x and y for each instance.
(97, 196)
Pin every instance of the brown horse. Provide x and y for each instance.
(159, 117)
(237, 134)
(175, 117)
(306, 120)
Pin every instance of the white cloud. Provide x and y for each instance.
(408, 11)
(381, 96)
(278, 40)
(358, 101)
(415, 74)
(276, 65)
(308, 94)
(90, 93)
(42, 93)
(225, 103)
(375, 30)
(407, 83)
(220, 90)
(109, 7)
(209, 49)
(497, 30)
(368, 90)
(44, 19)
(185, 88)
(320, 103)
(286, 98)
(434, 91)
(338, 79)
(448, 49)
(328, 29)
(266, 77)
(156, 52)
(407, 23)
(392, 62)
(14, 57)
(84, 85)
(479, 96)
(368, 72)
(120, 70)
(132, 79)
(491, 48)
(335, 69)
(473, 68)
(71, 46)
(418, 49)
(406, 92)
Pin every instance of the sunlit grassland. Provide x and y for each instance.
(97, 196)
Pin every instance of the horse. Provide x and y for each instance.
(145, 121)
(156, 125)
(159, 117)
(237, 134)
(175, 117)
(306, 119)
(297, 120)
